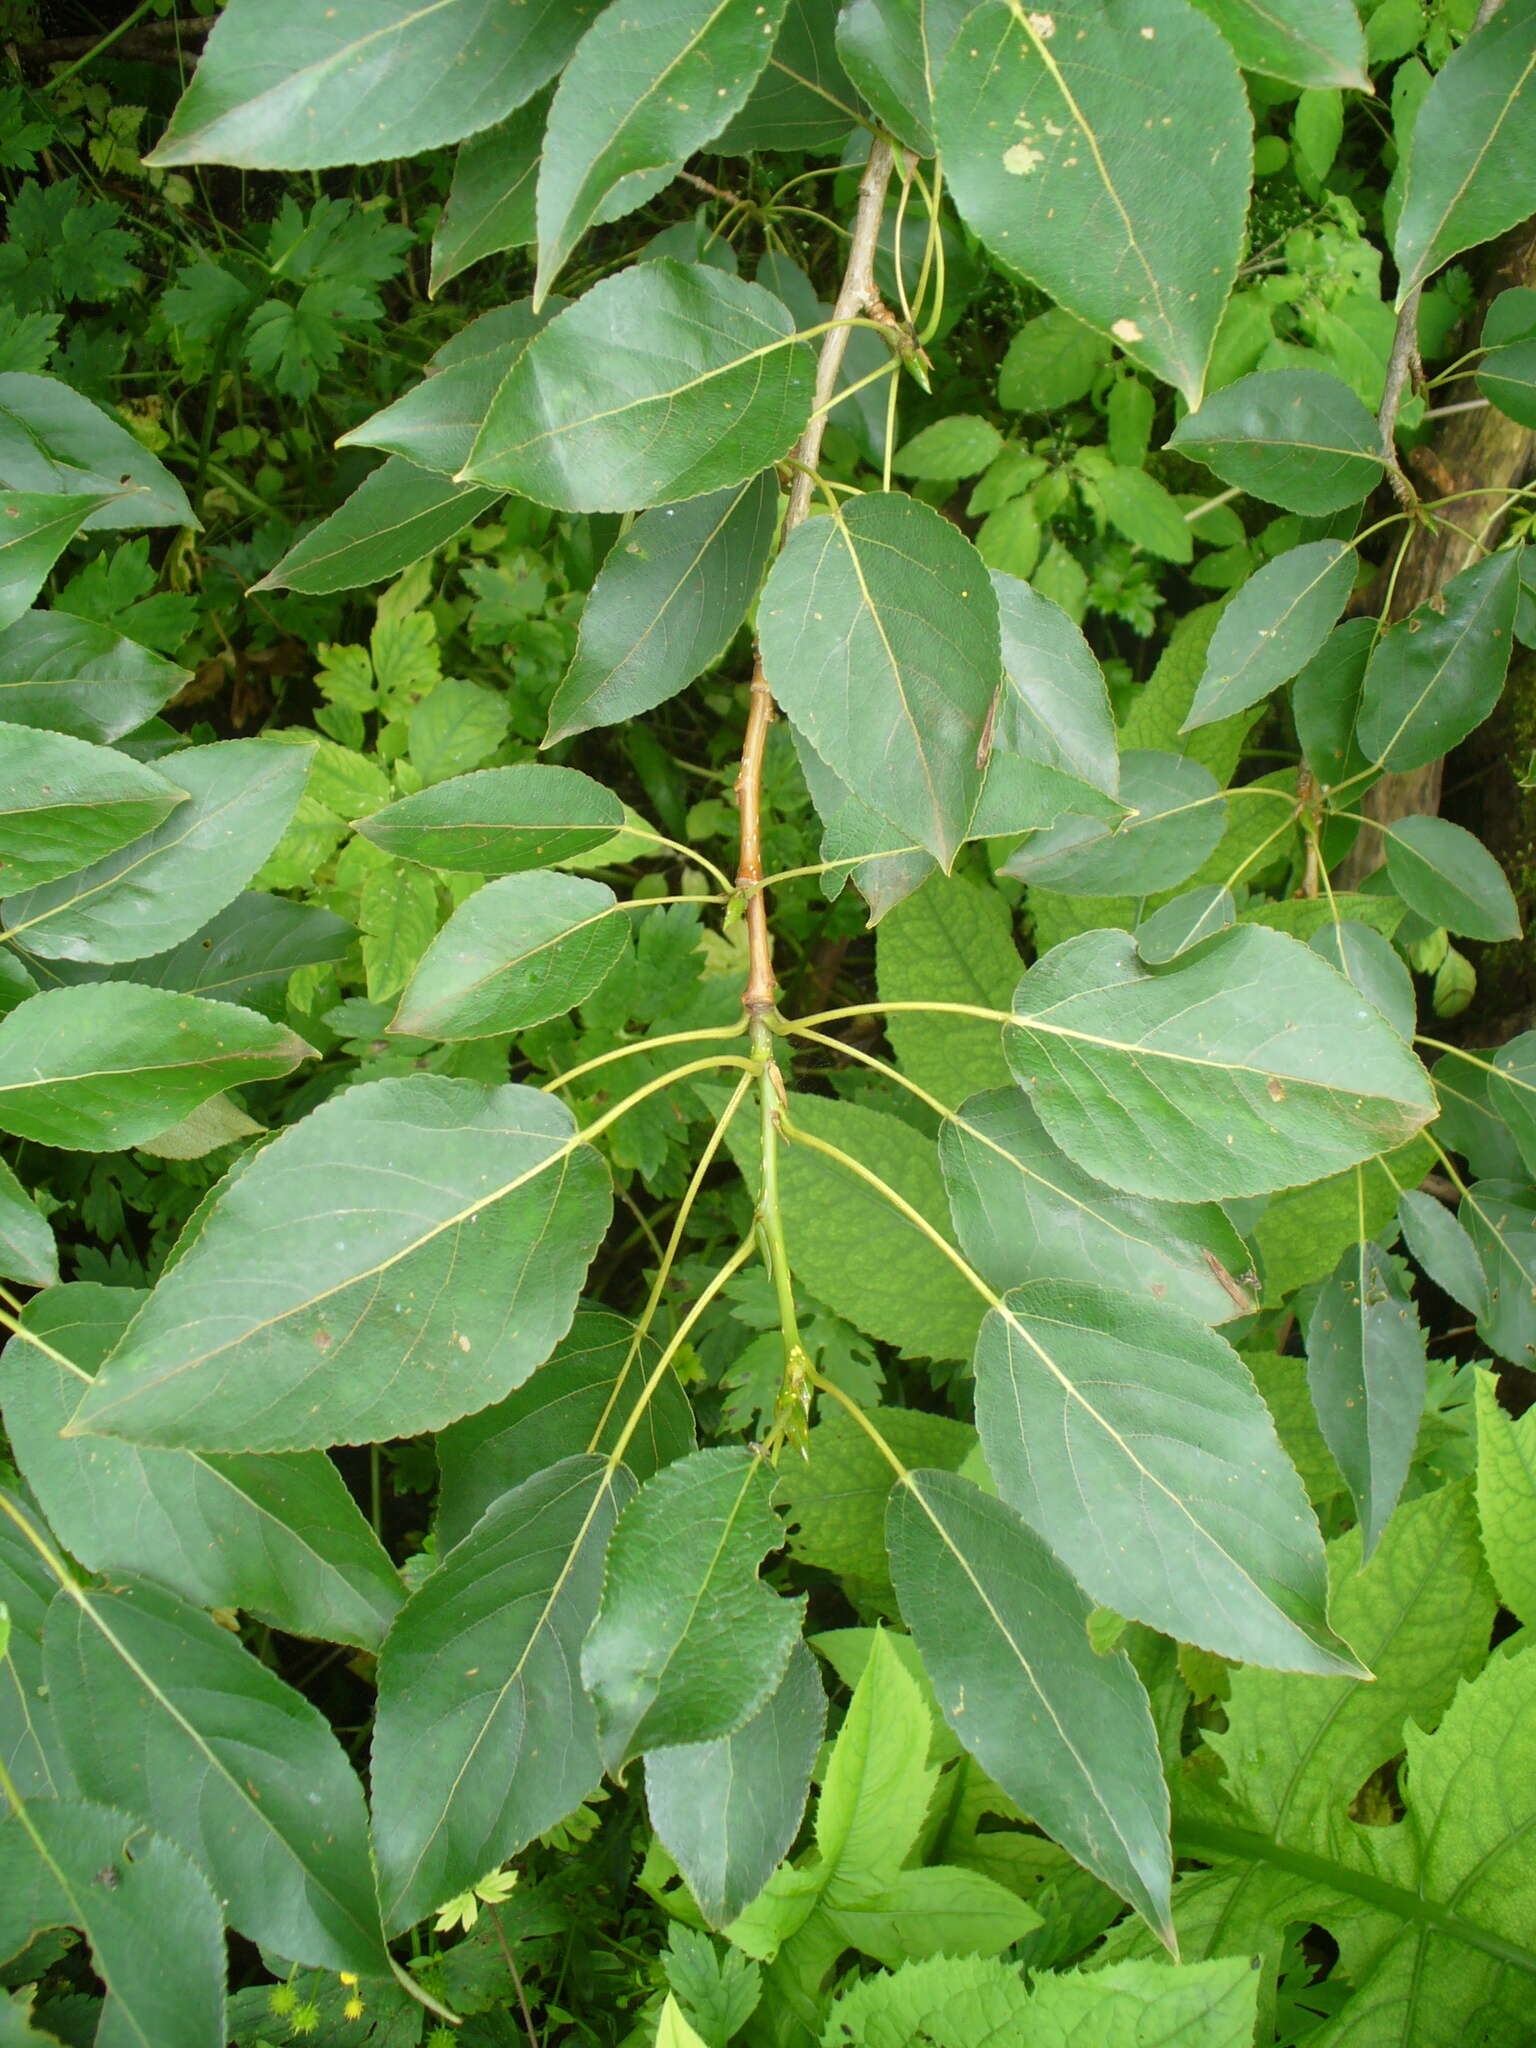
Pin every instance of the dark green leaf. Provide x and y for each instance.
(490, 202)
(1436, 675)
(1450, 878)
(1055, 707)
(52, 439)
(834, 1500)
(72, 675)
(34, 532)
(893, 51)
(64, 803)
(1440, 1245)
(1300, 438)
(313, 1307)
(395, 516)
(499, 821)
(1507, 378)
(1273, 627)
(1509, 1091)
(1314, 43)
(1176, 816)
(802, 100)
(1500, 1219)
(27, 1250)
(435, 423)
(950, 941)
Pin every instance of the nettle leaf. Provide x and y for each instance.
(64, 804)
(728, 1811)
(950, 941)
(35, 529)
(689, 1643)
(52, 439)
(1246, 1067)
(1470, 154)
(663, 383)
(893, 51)
(1023, 1211)
(491, 199)
(520, 951)
(1366, 1371)
(1300, 438)
(159, 890)
(27, 1249)
(644, 90)
(1176, 815)
(1450, 878)
(1316, 43)
(362, 81)
(1041, 122)
(100, 1068)
(499, 821)
(484, 1737)
(1272, 628)
(396, 515)
(666, 605)
(279, 1536)
(1132, 1438)
(74, 676)
(156, 1702)
(314, 1307)
(879, 636)
(1506, 1497)
(1055, 706)
(155, 1931)
(835, 1501)
(1003, 1633)
(1436, 675)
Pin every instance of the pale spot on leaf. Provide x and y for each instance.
(1126, 330)
(1021, 159)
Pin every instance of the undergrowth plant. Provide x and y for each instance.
(1058, 1324)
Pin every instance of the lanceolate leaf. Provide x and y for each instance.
(1450, 878)
(314, 1306)
(688, 1643)
(665, 605)
(1251, 1066)
(27, 1249)
(663, 383)
(1442, 1247)
(499, 821)
(490, 202)
(1132, 1438)
(72, 675)
(393, 518)
(880, 640)
(1273, 627)
(159, 1705)
(484, 1737)
(645, 89)
(64, 804)
(1314, 43)
(1300, 438)
(1055, 707)
(35, 529)
(1434, 677)
(362, 80)
(100, 1067)
(1041, 120)
(1003, 1633)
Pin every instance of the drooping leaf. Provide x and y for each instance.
(520, 951)
(1041, 122)
(484, 1737)
(1436, 675)
(1300, 438)
(159, 890)
(893, 51)
(1055, 707)
(35, 529)
(490, 202)
(1313, 43)
(728, 1811)
(74, 676)
(52, 439)
(951, 941)
(1023, 1211)
(1175, 816)
(361, 81)
(279, 1536)
(1509, 1092)
(98, 1068)
(313, 1307)
(1273, 627)
(1003, 1633)
(879, 637)
(1246, 1068)
(27, 1250)
(665, 605)
(1304, 1231)
(1131, 1437)
(665, 382)
(688, 1643)
(1450, 878)
(499, 821)
(396, 515)
(64, 804)
(1469, 173)
(1506, 1497)
(644, 90)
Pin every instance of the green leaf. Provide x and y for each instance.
(27, 1250)
(1315, 43)
(1245, 1068)
(951, 941)
(435, 422)
(398, 918)
(1055, 707)
(876, 1789)
(1003, 1633)
(155, 1931)
(673, 2031)
(962, 444)
(879, 638)
(1325, 701)
(1041, 121)
(1189, 920)
(1506, 1497)
(29, 1743)
(312, 1308)
(499, 821)
(1176, 815)
(1199, 1526)
(1500, 1219)
(490, 201)
(892, 50)
(484, 1738)
(97, 1068)
(1365, 1369)
(1140, 507)
(689, 1643)
(279, 1536)
(1300, 438)
(52, 439)
(1510, 1093)
(728, 1811)
(1473, 145)
(361, 81)
(1450, 878)
(1436, 675)
(34, 532)
(1273, 627)
(1507, 378)
(663, 383)
(396, 515)
(1371, 962)
(643, 91)
(1303, 1231)
(835, 1501)
(1023, 1211)
(156, 1702)
(1440, 1245)
(803, 100)
(666, 605)
(1050, 363)
(159, 890)
(64, 804)
(72, 675)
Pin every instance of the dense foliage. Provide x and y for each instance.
(767, 1215)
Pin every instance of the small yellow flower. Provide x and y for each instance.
(306, 2018)
(353, 2009)
(347, 1976)
(281, 1999)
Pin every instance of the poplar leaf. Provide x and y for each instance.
(498, 821)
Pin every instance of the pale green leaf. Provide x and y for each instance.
(877, 1786)
(72, 675)
(64, 804)
(834, 1500)
(1273, 627)
(960, 445)
(1506, 1497)
(454, 727)
(213, 1124)
(499, 821)
(397, 916)
(1050, 363)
